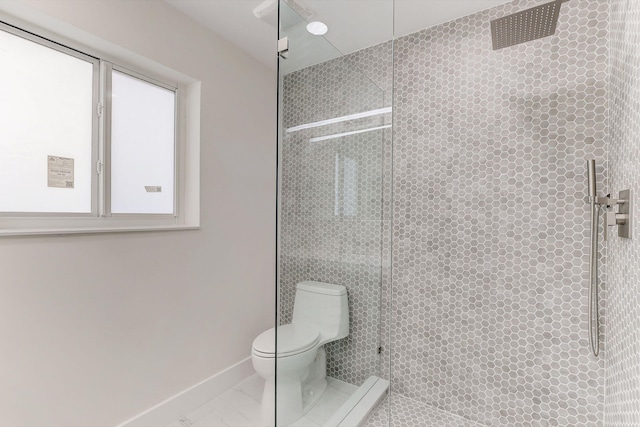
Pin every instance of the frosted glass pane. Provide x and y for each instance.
(45, 110)
(142, 146)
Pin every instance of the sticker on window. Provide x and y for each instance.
(59, 172)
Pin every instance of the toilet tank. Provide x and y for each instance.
(323, 305)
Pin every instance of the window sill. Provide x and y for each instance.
(93, 229)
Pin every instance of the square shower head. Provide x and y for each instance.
(530, 24)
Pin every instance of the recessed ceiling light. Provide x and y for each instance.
(317, 28)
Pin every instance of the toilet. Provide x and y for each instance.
(320, 316)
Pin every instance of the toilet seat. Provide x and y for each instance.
(292, 339)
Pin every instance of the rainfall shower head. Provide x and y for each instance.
(530, 24)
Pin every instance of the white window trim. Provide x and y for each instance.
(187, 147)
(94, 124)
(105, 143)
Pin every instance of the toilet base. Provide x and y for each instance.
(294, 398)
(312, 393)
(293, 403)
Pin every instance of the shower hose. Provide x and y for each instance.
(594, 321)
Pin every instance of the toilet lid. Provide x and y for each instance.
(292, 339)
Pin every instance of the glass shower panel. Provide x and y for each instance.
(334, 212)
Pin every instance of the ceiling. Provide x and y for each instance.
(353, 24)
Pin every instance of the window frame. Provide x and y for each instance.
(186, 145)
(95, 122)
(105, 201)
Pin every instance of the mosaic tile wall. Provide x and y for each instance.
(622, 382)
(490, 245)
(335, 195)
(487, 314)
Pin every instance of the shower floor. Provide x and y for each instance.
(240, 406)
(409, 413)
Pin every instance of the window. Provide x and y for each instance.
(85, 143)
(142, 146)
(45, 120)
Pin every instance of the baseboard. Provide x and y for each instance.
(187, 400)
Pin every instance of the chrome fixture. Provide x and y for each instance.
(283, 47)
(622, 219)
(594, 321)
(531, 24)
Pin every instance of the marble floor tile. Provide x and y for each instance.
(240, 406)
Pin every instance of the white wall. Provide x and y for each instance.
(97, 328)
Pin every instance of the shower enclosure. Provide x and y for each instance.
(436, 169)
(335, 183)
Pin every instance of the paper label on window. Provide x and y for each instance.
(153, 188)
(59, 172)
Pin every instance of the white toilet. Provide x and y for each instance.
(320, 315)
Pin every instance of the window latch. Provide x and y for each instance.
(99, 166)
(99, 109)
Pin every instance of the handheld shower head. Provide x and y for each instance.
(591, 176)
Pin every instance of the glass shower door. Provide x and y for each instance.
(334, 213)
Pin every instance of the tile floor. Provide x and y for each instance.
(409, 413)
(240, 406)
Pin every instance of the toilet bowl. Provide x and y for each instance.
(292, 357)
